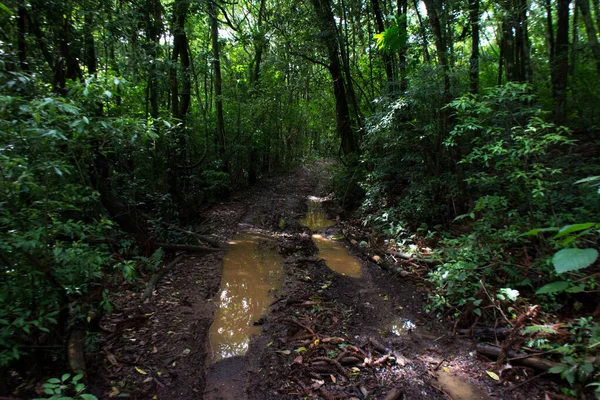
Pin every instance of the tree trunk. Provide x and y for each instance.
(90, 49)
(217, 83)
(387, 61)
(21, 40)
(423, 33)
(560, 66)
(508, 41)
(584, 7)
(525, 69)
(153, 27)
(440, 44)
(474, 60)
(326, 22)
(550, 27)
(403, 18)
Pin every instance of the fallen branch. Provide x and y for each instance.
(488, 333)
(157, 277)
(187, 247)
(406, 256)
(206, 239)
(518, 358)
(295, 322)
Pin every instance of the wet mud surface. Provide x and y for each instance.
(360, 333)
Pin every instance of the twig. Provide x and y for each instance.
(526, 382)
(157, 277)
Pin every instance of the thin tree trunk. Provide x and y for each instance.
(387, 61)
(584, 7)
(525, 46)
(90, 49)
(574, 41)
(440, 44)
(474, 60)
(508, 41)
(21, 40)
(550, 27)
(560, 67)
(217, 83)
(326, 22)
(423, 33)
(403, 18)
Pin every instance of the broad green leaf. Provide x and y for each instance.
(565, 230)
(557, 369)
(576, 289)
(88, 396)
(5, 9)
(535, 231)
(573, 259)
(554, 287)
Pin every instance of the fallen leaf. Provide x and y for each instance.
(159, 373)
(316, 342)
(363, 390)
(187, 351)
(141, 371)
(154, 350)
(112, 359)
(355, 369)
(149, 379)
(114, 392)
(332, 378)
(298, 360)
(284, 352)
(493, 375)
(300, 349)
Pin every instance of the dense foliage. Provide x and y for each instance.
(465, 126)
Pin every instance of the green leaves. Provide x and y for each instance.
(573, 259)
(392, 39)
(554, 287)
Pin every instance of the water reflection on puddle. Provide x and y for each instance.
(337, 257)
(316, 218)
(401, 326)
(252, 269)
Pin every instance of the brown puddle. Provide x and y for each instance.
(252, 269)
(316, 218)
(459, 389)
(337, 257)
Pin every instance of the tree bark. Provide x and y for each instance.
(423, 33)
(326, 22)
(90, 49)
(403, 19)
(584, 7)
(387, 61)
(560, 66)
(217, 82)
(440, 44)
(21, 39)
(474, 60)
(550, 27)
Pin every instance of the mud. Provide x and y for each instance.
(322, 334)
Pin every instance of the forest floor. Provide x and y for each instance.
(325, 335)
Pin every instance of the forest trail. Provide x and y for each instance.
(323, 334)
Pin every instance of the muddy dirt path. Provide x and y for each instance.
(324, 334)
